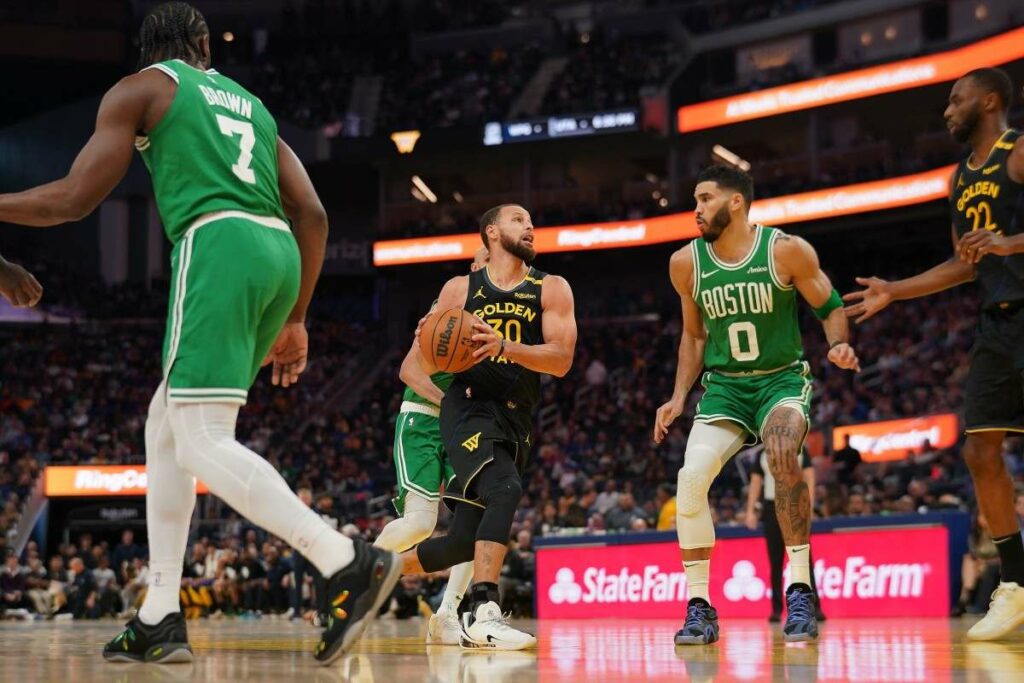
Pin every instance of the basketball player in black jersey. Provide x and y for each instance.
(487, 412)
(987, 208)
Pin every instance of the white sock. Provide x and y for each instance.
(170, 499)
(458, 584)
(799, 564)
(413, 527)
(697, 572)
(204, 434)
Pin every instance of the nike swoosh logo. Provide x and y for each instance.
(709, 273)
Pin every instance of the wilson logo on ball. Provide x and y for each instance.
(444, 339)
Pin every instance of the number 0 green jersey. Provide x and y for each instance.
(750, 317)
(214, 150)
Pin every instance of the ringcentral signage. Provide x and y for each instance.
(99, 480)
(819, 204)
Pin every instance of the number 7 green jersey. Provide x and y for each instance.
(749, 315)
(214, 150)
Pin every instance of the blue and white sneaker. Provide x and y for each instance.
(801, 606)
(701, 626)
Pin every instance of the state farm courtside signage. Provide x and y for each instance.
(897, 439)
(99, 480)
(859, 574)
(851, 85)
(828, 203)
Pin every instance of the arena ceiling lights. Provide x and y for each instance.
(820, 92)
(820, 204)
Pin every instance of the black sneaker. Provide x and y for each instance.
(354, 596)
(801, 625)
(164, 643)
(701, 626)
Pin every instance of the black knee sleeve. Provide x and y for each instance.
(457, 546)
(500, 489)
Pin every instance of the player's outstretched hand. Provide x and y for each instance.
(863, 304)
(666, 415)
(18, 286)
(843, 356)
(419, 326)
(489, 340)
(974, 245)
(288, 354)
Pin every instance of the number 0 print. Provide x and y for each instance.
(750, 332)
(232, 127)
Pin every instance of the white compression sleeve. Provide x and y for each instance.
(204, 434)
(170, 499)
(411, 528)
(458, 584)
(708, 447)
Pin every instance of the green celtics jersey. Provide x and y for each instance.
(214, 150)
(750, 317)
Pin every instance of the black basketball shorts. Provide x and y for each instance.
(995, 382)
(471, 428)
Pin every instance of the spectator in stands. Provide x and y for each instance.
(621, 517)
(666, 502)
(135, 581)
(279, 571)
(517, 575)
(37, 584)
(108, 588)
(125, 554)
(253, 577)
(845, 462)
(12, 585)
(83, 599)
(608, 498)
(979, 571)
(301, 567)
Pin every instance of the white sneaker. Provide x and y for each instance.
(1005, 613)
(443, 628)
(487, 628)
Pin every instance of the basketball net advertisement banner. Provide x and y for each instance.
(900, 573)
(99, 480)
(898, 439)
(829, 203)
(820, 92)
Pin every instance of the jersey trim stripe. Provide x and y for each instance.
(403, 472)
(265, 221)
(421, 408)
(771, 263)
(164, 68)
(746, 259)
(526, 278)
(995, 146)
(696, 269)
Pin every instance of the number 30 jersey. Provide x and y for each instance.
(985, 198)
(515, 314)
(750, 317)
(214, 150)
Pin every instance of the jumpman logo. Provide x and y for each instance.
(480, 293)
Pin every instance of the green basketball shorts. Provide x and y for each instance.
(420, 458)
(234, 281)
(748, 400)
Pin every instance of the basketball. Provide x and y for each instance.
(446, 340)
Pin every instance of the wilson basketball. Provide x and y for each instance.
(446, 340)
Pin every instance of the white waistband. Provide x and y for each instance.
(422, 408)
(266, 221)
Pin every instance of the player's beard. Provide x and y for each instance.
(719, 222)
(965, 130)
(518, 248)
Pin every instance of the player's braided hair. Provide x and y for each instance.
(171, 31)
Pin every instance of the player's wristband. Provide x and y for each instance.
(501, 349)
(834, 301)
(835, 344)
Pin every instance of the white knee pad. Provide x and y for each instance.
(707, 448)
(412, 528)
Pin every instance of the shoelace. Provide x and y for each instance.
(995, 594)
(696, 615)
(800, 605)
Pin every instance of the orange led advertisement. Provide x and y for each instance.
(898, 439)
(99, 480)
(829, 203)
(851, 85)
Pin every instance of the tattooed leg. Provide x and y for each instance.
(783, 436)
